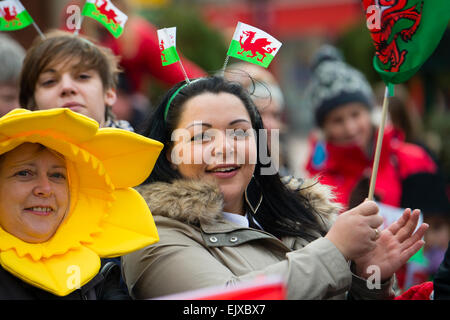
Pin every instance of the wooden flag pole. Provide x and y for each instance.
(376, 160)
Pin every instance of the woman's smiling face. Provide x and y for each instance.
(214, 139)
(34, 192)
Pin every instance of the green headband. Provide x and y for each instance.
(171, 99)
(175, 94)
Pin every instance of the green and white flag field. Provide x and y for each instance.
(107, 14)
(167, 45)
(13, 16)
(253, 45)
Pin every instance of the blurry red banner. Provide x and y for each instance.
(264, 288)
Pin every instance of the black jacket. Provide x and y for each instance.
(441, 281)
(104, 286)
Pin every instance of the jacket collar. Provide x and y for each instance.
(200, 202)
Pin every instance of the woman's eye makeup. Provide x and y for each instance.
(239, 133)
(204, 136)
(208, 135)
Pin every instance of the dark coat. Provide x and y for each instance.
(442, 279)
(104, 286)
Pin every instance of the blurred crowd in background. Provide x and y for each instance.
(419, 112)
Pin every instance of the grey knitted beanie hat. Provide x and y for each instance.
(335, 83)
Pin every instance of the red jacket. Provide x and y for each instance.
(418, 292)
(343, 167)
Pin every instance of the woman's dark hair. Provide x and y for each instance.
(282, 212)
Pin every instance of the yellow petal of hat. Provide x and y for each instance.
(107, 218)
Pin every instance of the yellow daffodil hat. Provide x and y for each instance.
(107, 217)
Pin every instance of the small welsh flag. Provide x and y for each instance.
(107, 14)
(253, 45)
(13, 16)
(167, 45)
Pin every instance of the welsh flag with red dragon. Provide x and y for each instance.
(405, 34)
(13, 16)
(253, 45)
(107, 14)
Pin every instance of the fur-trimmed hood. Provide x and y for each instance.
(196, 201)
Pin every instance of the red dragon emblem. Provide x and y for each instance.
(10, 15)
(110, 15)
(161, 47)
(257, 46)
(386, 46)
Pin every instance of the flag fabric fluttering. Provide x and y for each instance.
(167, 38)
(405, 34)
(13, 16)
(167, 45)
(253, 45)
(107, 14)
